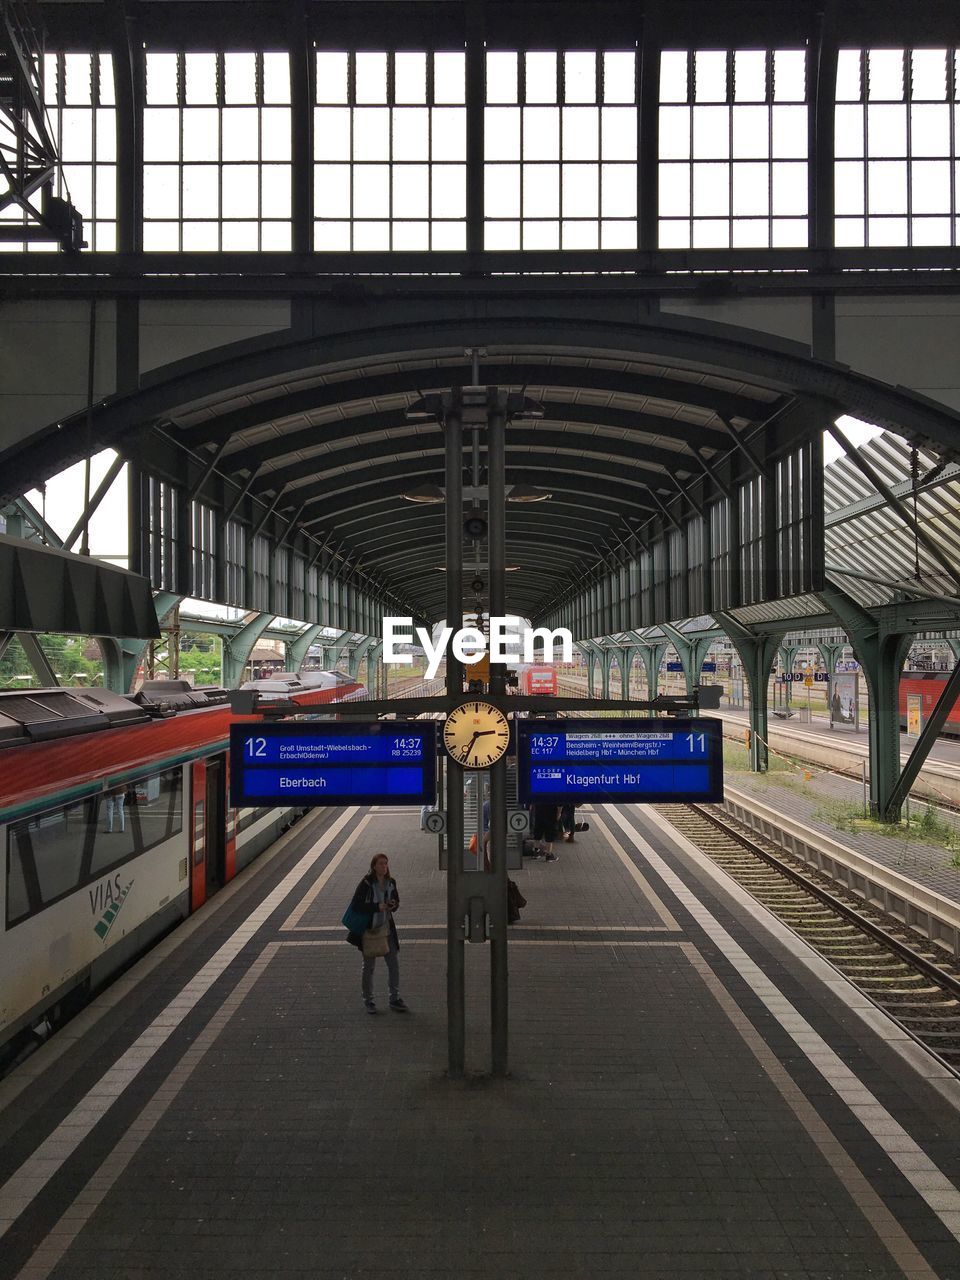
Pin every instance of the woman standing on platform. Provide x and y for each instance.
(377, 897)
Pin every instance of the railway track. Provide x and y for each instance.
(915, 982)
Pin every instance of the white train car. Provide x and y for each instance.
(115, 825)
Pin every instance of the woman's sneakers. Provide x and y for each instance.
(395, 1003)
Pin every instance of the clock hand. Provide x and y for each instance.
(483, 733)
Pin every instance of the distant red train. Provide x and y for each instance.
(929, 685)
(539, 680)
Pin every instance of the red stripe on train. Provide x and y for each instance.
(31, 772)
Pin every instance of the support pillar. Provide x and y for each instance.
(882, 661)
(588, 649)
(881, 653)
(295, 651)
(122, 655)
(692, 650)
(336, 651)
(357, 656)
(787, 654)
(456, 966)
(237, 650)
(830, 653)
(652, 655)
(625, 658)
(757, 653)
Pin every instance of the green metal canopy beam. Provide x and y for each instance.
(881, 651)
(38, 660)
(122, 655)
(692, 649)
(297, 650)
(757, 655)
(237, 650)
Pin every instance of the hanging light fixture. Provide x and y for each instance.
(527, 493)
(425, 493)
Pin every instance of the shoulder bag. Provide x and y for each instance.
(354, 921)
(376, 942)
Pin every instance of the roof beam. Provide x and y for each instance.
(513, 376)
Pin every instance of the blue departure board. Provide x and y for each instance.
(333, 763)
(619, 761)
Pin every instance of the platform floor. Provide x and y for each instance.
(830, 803)
(854, 741)
(693, 1093)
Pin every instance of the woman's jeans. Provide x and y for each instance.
(393, 973)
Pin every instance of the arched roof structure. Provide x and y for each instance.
(642, 422)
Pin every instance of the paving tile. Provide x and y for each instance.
(637, 1135)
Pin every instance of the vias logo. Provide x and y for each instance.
(107, 898)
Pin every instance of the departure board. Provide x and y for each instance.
(333, 763)
(619, 761)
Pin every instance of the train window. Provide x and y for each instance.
(57, 840)
(152, 813)
(18, 893)
(52, 854)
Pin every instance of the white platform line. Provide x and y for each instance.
(638, 878)
(920, 1171)
(514, 942)
(36, 1171)
(307, 901)
(529, 928)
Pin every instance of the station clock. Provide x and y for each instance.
(476, 734)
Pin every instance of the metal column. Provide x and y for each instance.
(456, 1020)
(497, 904)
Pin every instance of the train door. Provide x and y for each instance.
(215, 826)
(208, 829)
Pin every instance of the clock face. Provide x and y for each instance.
(476, 735)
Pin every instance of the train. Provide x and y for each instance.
(928, 685)
(116, 826)
(538, 679)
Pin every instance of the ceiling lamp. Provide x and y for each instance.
(527, 493)
(425, 493)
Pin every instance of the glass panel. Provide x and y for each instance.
(240, 78)
(449, 71)
(276, 78)
(580, 77)
(885, 75)
(410, 77)
(371, 77)
(201, 79)
(502, 77)
(331, 77)
(541, 77)
(849, 84)
(161, 79)
(710, 76)
(673, 76)
(619, 77)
